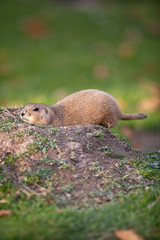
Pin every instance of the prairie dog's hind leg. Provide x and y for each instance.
(110, 121)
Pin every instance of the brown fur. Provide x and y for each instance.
(81, 108)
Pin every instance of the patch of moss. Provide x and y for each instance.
(149, 168)
(42, 144)
(98, 134)
(7, 125)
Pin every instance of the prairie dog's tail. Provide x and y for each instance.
(133, 116)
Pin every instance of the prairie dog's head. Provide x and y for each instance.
(36, 113)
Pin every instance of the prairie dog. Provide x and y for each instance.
(81, 108)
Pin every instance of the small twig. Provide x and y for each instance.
(26, 189)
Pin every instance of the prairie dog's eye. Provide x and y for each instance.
(36, 109)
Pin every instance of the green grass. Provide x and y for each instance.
(66, 57)
(149, 168)
(38, 219)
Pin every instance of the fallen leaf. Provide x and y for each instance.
(152, 88)
(101, 71)
(128, 132)
(4, 213)
(128, 235)
(48, 201)
(137, 144)
(59, 210)
(98, 200)
(3, 201)
(35, 28)
(152, 102)
(126, 50)
(149, 104)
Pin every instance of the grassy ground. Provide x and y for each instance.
(48, 51)
(35, 219)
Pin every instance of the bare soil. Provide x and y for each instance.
(78, 165)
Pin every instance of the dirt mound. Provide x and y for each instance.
(77, 165)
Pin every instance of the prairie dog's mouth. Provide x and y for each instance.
(25, 118)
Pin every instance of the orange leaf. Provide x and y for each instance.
(128, 235)
(126, 50)
(149, 104)
(101, 71)
(35, 28)
(3, 201)
(4, 213)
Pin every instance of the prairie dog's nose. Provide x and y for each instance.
(22, 114)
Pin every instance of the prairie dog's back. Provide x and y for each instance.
(83, 98)
(86, 97)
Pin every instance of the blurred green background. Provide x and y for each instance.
(49, 49)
